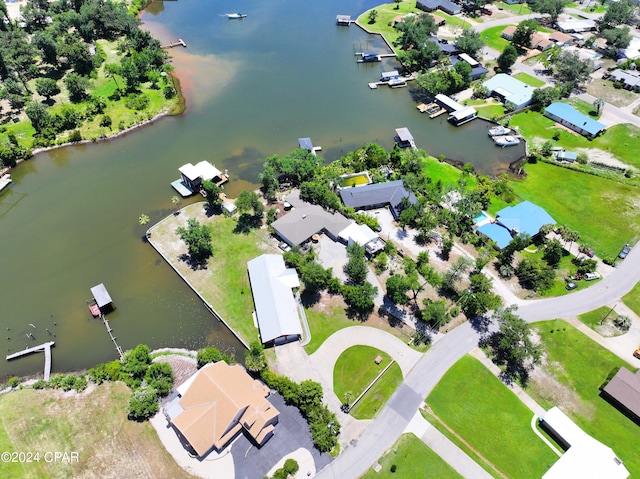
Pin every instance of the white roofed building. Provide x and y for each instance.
(276, 311)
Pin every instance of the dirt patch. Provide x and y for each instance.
(548, 388)
(604, 157)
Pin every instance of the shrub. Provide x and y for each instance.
(80, 384)
(68, 383)
(40, 384)
(105, 121)
(75, 136)
(160, 377)
(137, 102)
(622, 322)
(142, 404)
(14, 382)
(211, 355)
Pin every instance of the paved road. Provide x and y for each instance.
(397, 413)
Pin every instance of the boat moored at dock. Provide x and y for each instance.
(507, 140)
(499, 131)
(5, 181)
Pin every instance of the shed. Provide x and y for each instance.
(229, 208)
(101, 295)
(567, 156)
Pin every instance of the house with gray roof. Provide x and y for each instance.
(623, 391)
(510, 90)
(276, 311)
(378, 195)
(444, 5)
(305, 220)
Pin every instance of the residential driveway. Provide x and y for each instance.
(292, 433)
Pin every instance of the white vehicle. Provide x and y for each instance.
(506, 140)
(499, 131)
(591, 276)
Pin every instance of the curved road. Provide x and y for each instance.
(396, 414)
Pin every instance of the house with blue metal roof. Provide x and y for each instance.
(524, 217)
(510, 90)
(567, 116)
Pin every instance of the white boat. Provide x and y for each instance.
(5, 181)
(499, 131)
(235, 16)
(506, 140)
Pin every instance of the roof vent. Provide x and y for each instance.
(304, 216)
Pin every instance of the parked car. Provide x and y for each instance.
(590, 253)
(625, 251)
(636, 353)
(571, 285)
(591, 276)
(486, 11)
(284, 246)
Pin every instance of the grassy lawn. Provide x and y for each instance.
(580, 366)
(493, 39)
(490, 111)
(583, 107)
(454, 21)
(632, 299)
(594, 318)
(412, 458)
(529, 80)
(491, 419)
(601, 210)
(354, 371)
(604, 89)
(518, 9)
(224, 284)
(384, 22)
(93, 424)
(445, 173)
(622, 141)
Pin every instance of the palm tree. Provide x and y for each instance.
(176, 202)
(254, 358)
(143, 219)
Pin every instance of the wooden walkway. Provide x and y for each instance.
(46, 347)
(113, 338)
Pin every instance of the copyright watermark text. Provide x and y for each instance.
(35, 456)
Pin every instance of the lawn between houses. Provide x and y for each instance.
(574, 369)
(604, 212)
(491, 419)
(224, 284)
(92, 423)
(412, 458)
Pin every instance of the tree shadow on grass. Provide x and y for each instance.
(194, 263)
(246, 223)
(310, 298)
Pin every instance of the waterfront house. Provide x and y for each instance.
(216, 404)
(524, 217)
(445, 46)
(567, 116)
(378, 195)
(276, 311)
(510, 90)
(444, 5)
(584, 456)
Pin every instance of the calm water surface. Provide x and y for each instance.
(253, 87)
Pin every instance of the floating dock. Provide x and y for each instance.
(46, 347)
(432, 109)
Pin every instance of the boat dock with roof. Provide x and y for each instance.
(192, 177)
(404, 138)
(100, 305)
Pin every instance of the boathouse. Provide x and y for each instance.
(276, 311)
(216, 404)
(343, 20)
(567, 116)
(404, 138)
(192, 176)
(448, 103)
(463, 116)
(102, 298)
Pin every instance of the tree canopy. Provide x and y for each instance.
(551, 7)
(507, 58)
(198, 239)
(470, 41)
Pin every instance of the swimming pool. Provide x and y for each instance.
(481, 218)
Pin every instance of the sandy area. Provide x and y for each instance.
(604, 157)
(305, 461)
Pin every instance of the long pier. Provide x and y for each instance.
(180, 42)
(46, 347)
(113, 338)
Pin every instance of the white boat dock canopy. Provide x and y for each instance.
(586, 457)
(404, 134)
(204, 170)
(448, 103)
(467, 112)
(101, 295)
(276, 308)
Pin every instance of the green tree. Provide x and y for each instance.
(143, 403)
(373, 14)
(397, 287)
(479, 299)
(269, 180)
(470, 42)
(249, 201)
(198, 240)
(570, 68)
(553, 253)
(39, 115)
(507, 58)
(616, 14)
(535, 274)
(617, 39)
(524, 32)
(213, 195)
(551, 7)
(356, 267)
(254, 358)
(435, 313)
(160, 377)
(512, 346)
(210, 355)
(77, 86)
(314, 276)
(359, 298)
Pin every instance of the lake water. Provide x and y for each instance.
(254, 86)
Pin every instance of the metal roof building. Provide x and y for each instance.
(378, 195)
(624, 389)
(566, 115)
(510, 89)
(524, 217)
(276, 308)
(101, 295)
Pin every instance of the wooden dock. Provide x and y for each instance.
(113, 338)
(180, 42)
(46, 347)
